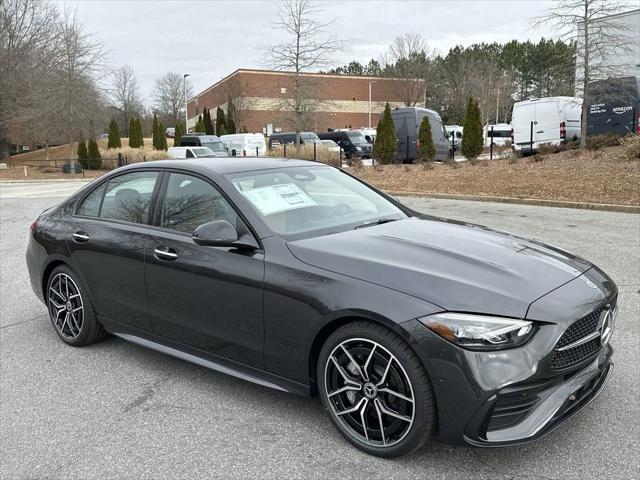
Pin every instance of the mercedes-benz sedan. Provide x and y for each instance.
(298, 276)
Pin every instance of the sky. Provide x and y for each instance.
(210, 39)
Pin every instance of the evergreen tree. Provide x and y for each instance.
(178, 135)
(386, 141)
(220, 122)
(132, 131)
(82, 154)
(426, 149)
(208, 124)
(162, 136)
(230, 124)
(156, 135)
(114, 135)
(94, 159)
(472, 140)
(139, 135)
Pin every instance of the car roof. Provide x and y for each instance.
(222, 166)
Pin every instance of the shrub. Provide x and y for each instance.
(631, 147)
(178, 135)
(596, 142)
(82, 154)
(94, 159)
(220, 122)
(206, 121)
(426, 149)
(114, 135)
(230, 124)
(385, 147)
(135, 134)
(472, 140)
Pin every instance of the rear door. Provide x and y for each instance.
(107, 243)
(209, 298)
(547, 126)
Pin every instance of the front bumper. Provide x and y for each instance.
(504, 398)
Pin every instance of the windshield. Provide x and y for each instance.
(304, 202)
(202, 151)
(215, 146)
(309, 137)
(357, 138)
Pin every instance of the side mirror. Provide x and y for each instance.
(220, 233)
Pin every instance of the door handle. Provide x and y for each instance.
(165, 253)
(80, 237)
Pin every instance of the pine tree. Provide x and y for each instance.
(155, 132)
(208, 124)
(426, 150)
(114, 135)
(135, 134)
(178, 135)
(472, 140)
(139, 135)
(94, 159)
(220, 122)
(82, 154)
(230, 124)
(386, 140)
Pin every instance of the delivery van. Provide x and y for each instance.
(244, 144)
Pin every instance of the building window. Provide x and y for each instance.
(283, 90)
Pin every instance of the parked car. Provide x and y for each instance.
(288, 138)
(407, 121)
(369, 133)
(352, 143)
(300, 277)
(498, 133)
(455, 133)
(190, 152)
(614, 107)
(330, 145)
(170, 132)
(244, 144)
(202, 140)
(550, 120)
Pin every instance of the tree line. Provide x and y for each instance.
(497, 75)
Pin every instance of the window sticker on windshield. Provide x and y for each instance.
(278, 198)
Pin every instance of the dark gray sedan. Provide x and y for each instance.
(297, 276)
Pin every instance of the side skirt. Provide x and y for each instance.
(205, 359)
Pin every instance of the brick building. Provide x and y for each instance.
(261, 96)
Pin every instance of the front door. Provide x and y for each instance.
(209, 298)
(107, 241)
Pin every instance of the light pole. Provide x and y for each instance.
(186, 111)
(370, 82)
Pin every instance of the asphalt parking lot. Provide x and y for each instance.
(117, 410)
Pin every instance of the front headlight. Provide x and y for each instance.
(479, 332)
(358, 149)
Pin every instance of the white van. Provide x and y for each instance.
(500, 133)
(555, 120)
(190, 152)
(244, 144)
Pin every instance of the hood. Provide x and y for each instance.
(457, 266)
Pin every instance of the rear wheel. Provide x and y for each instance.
(70, 309)
(375, 390)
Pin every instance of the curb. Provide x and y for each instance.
(48, 180)
(605, 207)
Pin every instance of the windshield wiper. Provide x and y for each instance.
(379, 221)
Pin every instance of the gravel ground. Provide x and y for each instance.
(116, 410)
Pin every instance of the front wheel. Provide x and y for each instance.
(375, 390)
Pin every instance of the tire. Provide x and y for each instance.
(358, 399)
(70, 309)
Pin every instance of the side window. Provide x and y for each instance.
(90, 206)
(189, 153)
(128, 197)
(190, 201)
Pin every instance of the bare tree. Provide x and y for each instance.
(124, 95)
(169, 96)
(80, 58)
(28, 34)
(599, 36)
(408, 59)
(307, 49)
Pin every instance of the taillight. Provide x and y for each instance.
(638, 124)
(563, 130)
(244, 153)
(512, 136)
(33, 226)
